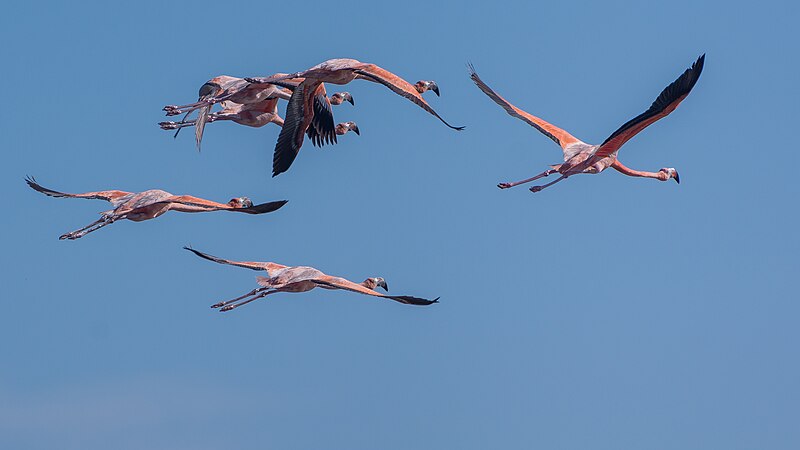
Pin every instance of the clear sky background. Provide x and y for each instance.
(605, 312)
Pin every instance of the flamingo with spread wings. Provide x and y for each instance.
(302, 279)
(301, 109)
(151, 204)
(580, 157)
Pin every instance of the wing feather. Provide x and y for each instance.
(291, 137)
(559, 136)
(341, 283)
(399, 86)
(109, 196)
(269, 267)
(665, 103)
(322, 129)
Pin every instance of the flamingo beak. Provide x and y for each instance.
(677, 177)
(435, 88)
(355, 129)
(349, 98)
(384, 285)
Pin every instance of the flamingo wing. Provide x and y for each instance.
(667, 101)
(559, 136)
(110, 196)
(341, 283)
(209, 205)
(269, 267)
(322, 129)
(294, 126)
(398, 86)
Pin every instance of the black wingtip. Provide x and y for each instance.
(264, 207)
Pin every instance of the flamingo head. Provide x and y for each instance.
(344, 127)
(209, 89)
(376, 282)
(341, 97)
(671, 173)
(240, 202)
(422, 86)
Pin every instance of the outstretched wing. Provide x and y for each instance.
(269, 267)
(110, 196)
(398, 86)
(341, 283)
(209, 205)
(667, 101)
(558, 135)
(294, 126)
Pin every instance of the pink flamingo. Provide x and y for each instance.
(580, 157)
(302, 279)
(151, 204)
(301, 111)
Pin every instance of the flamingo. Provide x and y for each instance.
(300, 112)
(243, 103)
(259, 114)
(301, 279)
(580, 157)
(151, 204)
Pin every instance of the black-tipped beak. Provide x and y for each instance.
(677, 177)
(384, 286)
(435, 89)
(355, 130)
(350, 99)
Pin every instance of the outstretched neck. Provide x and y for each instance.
(622, 168)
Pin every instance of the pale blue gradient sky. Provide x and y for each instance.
(606, 312)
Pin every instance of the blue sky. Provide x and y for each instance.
(606, 312)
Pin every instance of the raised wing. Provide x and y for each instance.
(268, 267)
(322, 129)
(558, 135)
(294, 126)
(341, 283)
(667, 101)
(110, 196)
(398, 86)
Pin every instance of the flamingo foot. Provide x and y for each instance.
(505, 185)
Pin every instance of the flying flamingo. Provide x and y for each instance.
(300, 112)
(259, 114)
(301, 279)
(580, 157)
(151, 204)
(242, 103)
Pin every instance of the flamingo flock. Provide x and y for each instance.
(254, 102)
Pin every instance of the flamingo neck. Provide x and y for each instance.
(638, 173)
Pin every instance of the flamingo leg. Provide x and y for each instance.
(539, 188)
(244, 302)
(170, 125)
(227, 302)
(174, 110)
(96, 225)
(517, 183)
